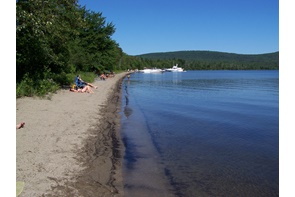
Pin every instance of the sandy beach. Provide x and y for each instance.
(70, 144)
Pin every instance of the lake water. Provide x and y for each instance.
(201, 133)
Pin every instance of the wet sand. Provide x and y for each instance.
(70, 144)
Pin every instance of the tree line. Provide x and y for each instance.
(212, 60)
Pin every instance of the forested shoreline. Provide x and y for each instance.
(56, 40)
(213, 60)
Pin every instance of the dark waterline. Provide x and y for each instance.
(206, 133)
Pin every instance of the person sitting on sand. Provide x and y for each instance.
(20, 125)
(103, 77)
(81, 84)
(112, 74)
(86, 89)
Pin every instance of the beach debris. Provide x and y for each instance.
(19, 187)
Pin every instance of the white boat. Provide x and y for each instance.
(175, 69)
(151, 70)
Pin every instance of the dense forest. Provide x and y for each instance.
(58, 39)
(208, 60)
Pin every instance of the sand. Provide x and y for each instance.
(70, 144)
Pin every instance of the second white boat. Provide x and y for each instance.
(175, 69)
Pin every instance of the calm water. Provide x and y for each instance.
(201, 133)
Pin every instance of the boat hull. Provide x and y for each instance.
(174, 70)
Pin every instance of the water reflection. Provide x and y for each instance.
(127, 110)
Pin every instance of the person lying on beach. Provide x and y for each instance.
(80, 83)
(20, 125)
(86, 89)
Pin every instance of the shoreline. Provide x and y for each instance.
(71, 145)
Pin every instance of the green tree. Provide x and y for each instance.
(42, 31)
(57, 38)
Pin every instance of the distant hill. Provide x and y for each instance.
(211, 56)
(218, 60)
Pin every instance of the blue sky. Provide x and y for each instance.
(235, 26)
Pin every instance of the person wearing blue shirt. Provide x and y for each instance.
(81, 84)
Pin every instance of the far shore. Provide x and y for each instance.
(70, 144)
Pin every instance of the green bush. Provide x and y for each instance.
(25, 87)
(29, 87)
(64, 78)
(45, 86)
